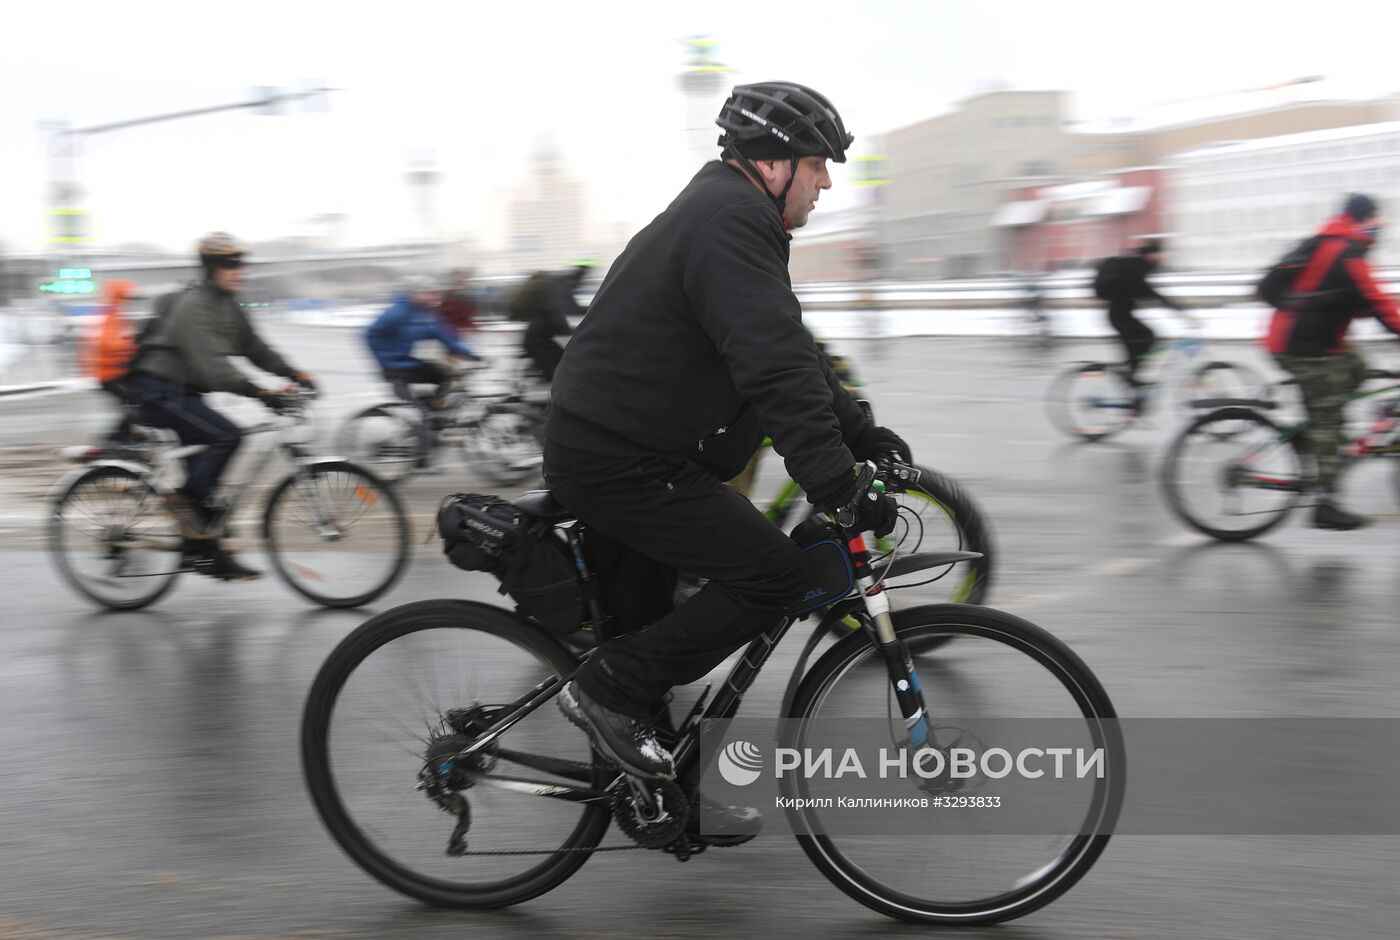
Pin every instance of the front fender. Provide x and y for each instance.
(135, 469)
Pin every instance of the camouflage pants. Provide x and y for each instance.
(1326, 383)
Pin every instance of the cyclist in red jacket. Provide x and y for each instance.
(1308, 339)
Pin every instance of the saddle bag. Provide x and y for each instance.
(533, 564)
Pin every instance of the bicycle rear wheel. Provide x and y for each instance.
(1233, 474)
(383, 438)
(1091, 401)
(977, 691)
(112, 539)
(336, 534)
(388, 709)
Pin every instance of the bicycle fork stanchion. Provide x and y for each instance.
(905, 681)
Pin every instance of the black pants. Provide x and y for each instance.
(1138, 338)
(544, 354)
(422, 373)
(168, 405)
(117, 388)
(671, 511)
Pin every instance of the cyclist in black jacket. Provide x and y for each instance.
(1127, 285)
(692, 349)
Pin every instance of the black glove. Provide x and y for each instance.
(873, 441)
(273, 401)
(855, 504)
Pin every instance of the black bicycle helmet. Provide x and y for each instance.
(793, 116)
(776, 121)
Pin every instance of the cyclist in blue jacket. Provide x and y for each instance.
(392, 336)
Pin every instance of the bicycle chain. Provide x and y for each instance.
(576, 765)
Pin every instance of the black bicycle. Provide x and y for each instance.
(433, 764)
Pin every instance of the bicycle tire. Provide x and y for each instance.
(160, 584)
(393, 454)
(371, 487)
(972, 525)
(1177, 492)
(916, 626)
(316, 720)
(973, 530)
(1064, 401)
(505, 444)
(1219, 379)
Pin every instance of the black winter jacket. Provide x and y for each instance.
(1130, 283)
(694, 346)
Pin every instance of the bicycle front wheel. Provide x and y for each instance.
(1001, 666)
(1218, 380)
(1233, 474)
(939, 515)
(505, 445)
(113, 540)
(336, 534)
(393, 704)
(1091, 401)
(383, 438)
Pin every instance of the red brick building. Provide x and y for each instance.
(1069, 225)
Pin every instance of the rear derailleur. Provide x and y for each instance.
(445, 776)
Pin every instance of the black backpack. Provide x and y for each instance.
(1109, 278)
(1275, 288)
(531, 299)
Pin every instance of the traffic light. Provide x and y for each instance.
(71, 281)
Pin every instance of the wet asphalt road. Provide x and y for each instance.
(151, 785)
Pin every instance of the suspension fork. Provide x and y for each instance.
(898, 663)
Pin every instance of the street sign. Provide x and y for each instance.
(69, 226)
(70, 281)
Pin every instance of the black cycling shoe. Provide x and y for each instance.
(1327, 515)
(628, 742)
(713, 824)
(213, 560)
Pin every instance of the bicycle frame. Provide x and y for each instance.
(159, 468)
(867, 599)
(1379, 440)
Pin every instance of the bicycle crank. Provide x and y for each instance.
(653, 815)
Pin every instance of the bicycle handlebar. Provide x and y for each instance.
(882, 473)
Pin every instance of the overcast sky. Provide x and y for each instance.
(480, 84)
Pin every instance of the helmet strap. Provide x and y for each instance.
(779, 200)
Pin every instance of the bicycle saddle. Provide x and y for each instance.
(541, 504)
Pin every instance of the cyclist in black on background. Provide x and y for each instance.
(545, 303)
(692, 350)
(1123, 281)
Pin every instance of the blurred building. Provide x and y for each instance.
(1241, 205)
(545, 219)
(951, 173)
(835, 246)
(1069, 225)
(1102, 148)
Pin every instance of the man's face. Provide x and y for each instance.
(426, 298)
(812, 177)
(230, 278)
